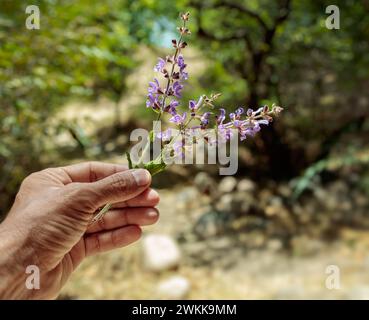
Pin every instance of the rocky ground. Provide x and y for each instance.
(203, 251)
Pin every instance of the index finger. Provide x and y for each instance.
(91, 171)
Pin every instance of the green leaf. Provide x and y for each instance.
(155, 167)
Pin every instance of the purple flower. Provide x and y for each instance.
(264, 121)
(178, 119)
(154, 87)
(251, 128)
(182, 66)
(173, 107)
(255, 113)
(205, 119)
(192, 105)
(184, 75)
(221, 117)
(195, 105)
(165, 135)
(177, 88)
(249, 131)
(154, 91)
(181, 63)
(160, 65)
(238, 124)
(152, 101)
(239, 112)
(178, 148)
(224, 134)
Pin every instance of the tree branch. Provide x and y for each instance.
(244, 10)
(237, 35)
(284, 9)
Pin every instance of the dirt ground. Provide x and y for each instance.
(220, 267)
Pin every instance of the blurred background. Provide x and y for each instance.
(75, 89)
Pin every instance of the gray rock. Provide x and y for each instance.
(204, 183)
(225, 203)
(285, 190)
(274, 245)
(175, 287)
(160, 252)
(234, 203)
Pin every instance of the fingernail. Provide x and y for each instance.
(141, 176)
(151, 213)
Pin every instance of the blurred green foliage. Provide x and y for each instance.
(80, 51)
(258, 51)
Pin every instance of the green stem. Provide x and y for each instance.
(144, 151)
(101, 213)
(170, 78)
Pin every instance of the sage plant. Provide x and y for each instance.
(164, 98)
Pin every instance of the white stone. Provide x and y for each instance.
(160, 252)
(227, 184)
(176, 287)
(246, 185)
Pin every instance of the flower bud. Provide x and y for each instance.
(276, 109)
(185, 16)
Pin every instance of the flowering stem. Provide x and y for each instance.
(170, 77)
(147, 145)
(246, 123)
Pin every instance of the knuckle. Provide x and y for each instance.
(102, 223)
(81, 197)
(92, 174)
(96, 245)
(30, 179)
(114, 238)
(122, 182)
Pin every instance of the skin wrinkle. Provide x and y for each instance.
(122, 184)
(125, 217)
(101, 223)
(86, 195)
(66, 172)
(113, 237)
(48, 225)
(96, 241)
(93, 175)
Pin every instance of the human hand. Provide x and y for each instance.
(49, 223)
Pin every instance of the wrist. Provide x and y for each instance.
(14, 258)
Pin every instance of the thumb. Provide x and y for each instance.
(120, 186)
